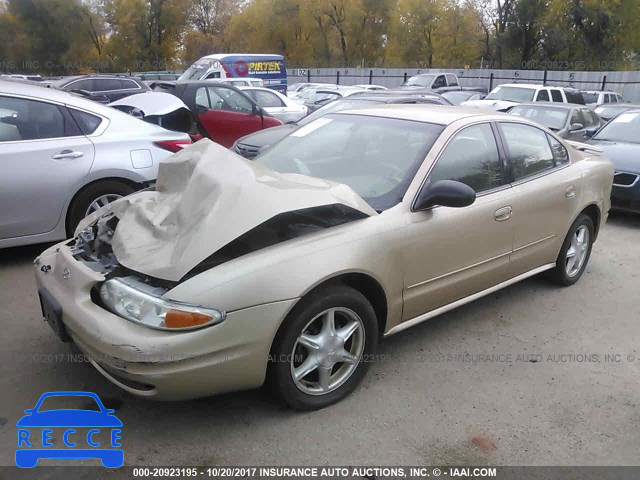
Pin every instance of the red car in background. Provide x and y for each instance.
(223, 113)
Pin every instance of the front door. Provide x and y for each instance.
(226, 114)
(455, 252)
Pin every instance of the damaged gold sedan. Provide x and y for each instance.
(289, 268)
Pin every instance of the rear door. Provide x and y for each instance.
(226, 114)
(545, 188)
(43, 155)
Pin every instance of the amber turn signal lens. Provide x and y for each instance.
(180, 319)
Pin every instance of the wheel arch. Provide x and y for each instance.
(367, 286)
(593, 211)
(126, 181)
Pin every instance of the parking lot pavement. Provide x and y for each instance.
(518, 378)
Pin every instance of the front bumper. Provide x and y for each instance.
(229, 356)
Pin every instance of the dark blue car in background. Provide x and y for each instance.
(620, 141)
(36, 434)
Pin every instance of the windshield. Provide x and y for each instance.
(623, 128)
(336, 107)
(590, 97)
(512, 94)
(194, 72)
(610, 111)
(552, 118)
(377, 157)
(420, 81)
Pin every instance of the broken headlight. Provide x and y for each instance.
(142, 304)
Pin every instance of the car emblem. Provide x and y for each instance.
(66, 274)
(45, 268)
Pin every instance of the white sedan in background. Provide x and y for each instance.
(276, 104)
(62, 157)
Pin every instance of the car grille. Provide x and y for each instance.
(623, 179)
(247, 151)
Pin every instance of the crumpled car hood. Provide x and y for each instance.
(206, 196)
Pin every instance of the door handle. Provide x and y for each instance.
(67, 154)
(503, 214)
(570, 192)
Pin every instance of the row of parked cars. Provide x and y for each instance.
(377, 211)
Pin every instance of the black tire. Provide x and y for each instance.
(559, 274)
(280, 375)
(85, 197)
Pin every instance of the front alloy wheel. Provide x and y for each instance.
(323, 348)
(327, 351)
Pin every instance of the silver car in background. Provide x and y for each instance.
(63, 157)
(568, 120)
(276, 104)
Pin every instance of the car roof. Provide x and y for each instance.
(41, 92)
(438, 114)
(522, 85)
(558, 105)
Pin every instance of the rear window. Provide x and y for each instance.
(87, 122)
(590, 97)
(574, 97)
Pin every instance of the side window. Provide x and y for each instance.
(230, 100)
(86, 84)
(107, 84)
(202, 100)
(587, 119)
(87, 122)
(439, 82)
(213, 75)
(576, 117)
(560, 154)
(267, 99)
(452, 80)
(471, 157)
(22, 119)
(129, 84)
(606, 98)
(543, 96)
(528, 149)
(556, 95)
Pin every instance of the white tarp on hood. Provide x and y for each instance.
(206, 196)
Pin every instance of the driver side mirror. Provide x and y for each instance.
(257, 109)
(576, 126)
(447, 193)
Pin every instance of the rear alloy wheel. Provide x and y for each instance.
(92, 198)
(318, 353)
(575, 252)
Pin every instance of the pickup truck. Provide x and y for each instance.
(438, 82)
(507, 95)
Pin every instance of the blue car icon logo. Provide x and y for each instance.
(66, 433)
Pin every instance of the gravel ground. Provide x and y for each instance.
(519, 377)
